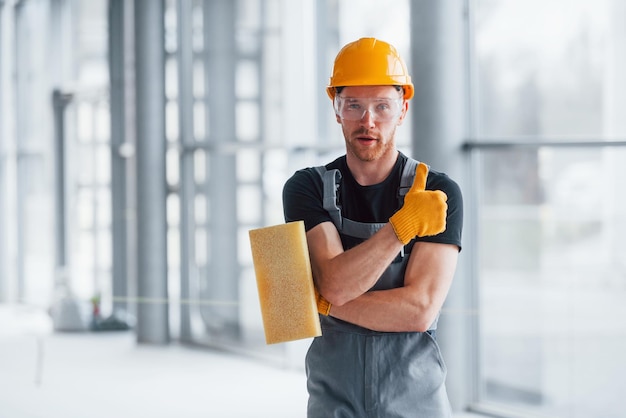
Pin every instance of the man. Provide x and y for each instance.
(383, 256)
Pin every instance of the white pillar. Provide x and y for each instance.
(152, 312)
(439, 125)
(615, 128)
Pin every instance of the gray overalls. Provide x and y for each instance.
(354, 372)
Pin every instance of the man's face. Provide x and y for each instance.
(369, 116)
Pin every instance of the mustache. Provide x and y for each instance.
(363, 132)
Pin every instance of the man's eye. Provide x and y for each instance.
(354, 106)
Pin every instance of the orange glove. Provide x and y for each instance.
(323, 306)
(424, 211)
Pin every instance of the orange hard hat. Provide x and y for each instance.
(369, 62)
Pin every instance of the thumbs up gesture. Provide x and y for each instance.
(424, 211)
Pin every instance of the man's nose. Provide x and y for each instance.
(368, 118)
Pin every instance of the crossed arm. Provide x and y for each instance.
(343, 278)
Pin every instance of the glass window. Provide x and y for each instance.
(541, 67)
(552, 280)
(551, 276)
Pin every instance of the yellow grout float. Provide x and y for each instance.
(285, 283)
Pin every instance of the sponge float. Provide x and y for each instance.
(285, 283)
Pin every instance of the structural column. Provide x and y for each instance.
(3, 164)
(327, 38)
(188, 270)
(122, 147)
(439, 67)
(615, 126)
(59, 102)
(152, 309)
(222, 281)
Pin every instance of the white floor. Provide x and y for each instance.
(102, 375)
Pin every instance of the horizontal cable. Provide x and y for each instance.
(488, 143)
(159, 301)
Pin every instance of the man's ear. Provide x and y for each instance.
(405, 109)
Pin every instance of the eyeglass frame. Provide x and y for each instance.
(340, 112)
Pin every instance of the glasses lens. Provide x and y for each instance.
(380, 109)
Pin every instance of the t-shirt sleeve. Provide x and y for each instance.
(303, 197)
(454, 218)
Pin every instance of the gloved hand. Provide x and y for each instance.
(423, 212)
(323, 306)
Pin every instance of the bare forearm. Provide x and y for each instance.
(388, 311)
(346, 275)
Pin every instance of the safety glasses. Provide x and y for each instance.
(380, 109)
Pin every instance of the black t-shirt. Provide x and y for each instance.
(303, 199)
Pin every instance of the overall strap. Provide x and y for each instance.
(331, 180)
(408, 175)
